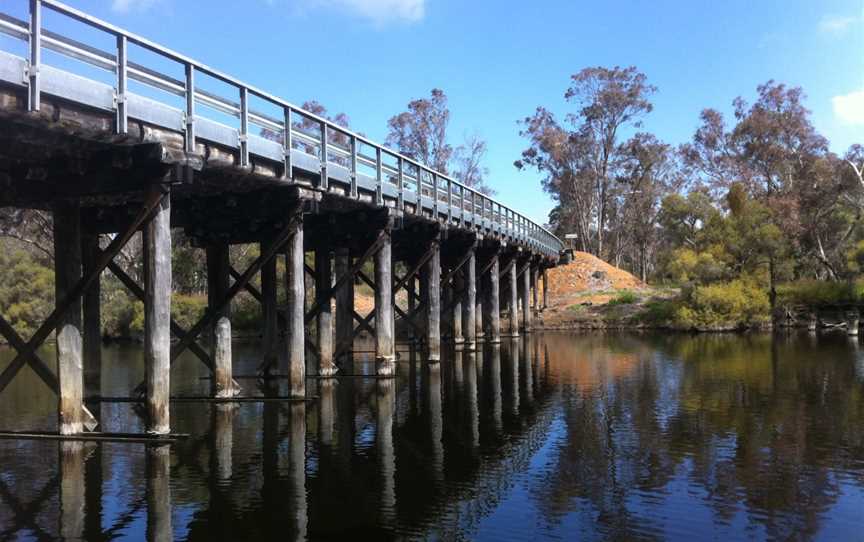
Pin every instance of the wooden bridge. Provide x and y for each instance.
(111, 144)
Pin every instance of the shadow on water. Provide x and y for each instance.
(558, 436)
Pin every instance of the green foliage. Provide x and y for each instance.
(624, 298)
(657, 312)
(819, 292)
(186, 310)
(119, 311)
(246, 314)
(26, 291)
(855, 257)
(729, 305)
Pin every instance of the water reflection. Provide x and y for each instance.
(557, 436)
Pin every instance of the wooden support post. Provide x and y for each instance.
(157, 317)
(92, 319)
(218, 273)
(67, 272)
(456, 318)
(479, 330)
(344, 311)
(269, 301)
(384, 337)
(411, 289)
(534, 286)
(296, 291)
(491, 303)
(545, 290)
(323, 289)
(423, 288)
(526, 301)
(512, 299)
(469, 302)
(431, 279)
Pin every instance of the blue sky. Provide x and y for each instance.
(498, 60)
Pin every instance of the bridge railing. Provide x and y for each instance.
(297, 137)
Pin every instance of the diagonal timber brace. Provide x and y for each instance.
(176, 328)
(289, 230)
(349, 275)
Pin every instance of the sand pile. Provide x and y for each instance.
(587, 273)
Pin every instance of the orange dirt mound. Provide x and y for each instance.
(587, 273)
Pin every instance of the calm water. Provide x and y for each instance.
(558, 436)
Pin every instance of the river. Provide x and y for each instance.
(557, 436)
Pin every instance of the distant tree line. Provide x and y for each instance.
(749, 202)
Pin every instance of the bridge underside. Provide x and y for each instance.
(434, 273)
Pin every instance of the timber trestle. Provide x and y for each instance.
(333, 216)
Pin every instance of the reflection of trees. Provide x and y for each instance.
(759, 425)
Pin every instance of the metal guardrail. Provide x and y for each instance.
(298, 139)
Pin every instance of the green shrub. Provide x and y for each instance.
(187, 309)
(658, 312)
(26, 291)
(729, 305)
(118, 313)
(819, 292)
(624, 298)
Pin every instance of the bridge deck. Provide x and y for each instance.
(54, 119)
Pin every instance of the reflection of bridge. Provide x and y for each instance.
(245, 473)
(136, 148)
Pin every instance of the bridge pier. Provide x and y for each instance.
(67, 271)
(323, 286)
(157, 315)
(534, 286)
(512, 296)
(385, 345)
(469, 302)
(218, 273)
(526, 294)
(344, 311)
(545, 290)
(295, 340)
(430, 279)
(491, 300)
(457, 297)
